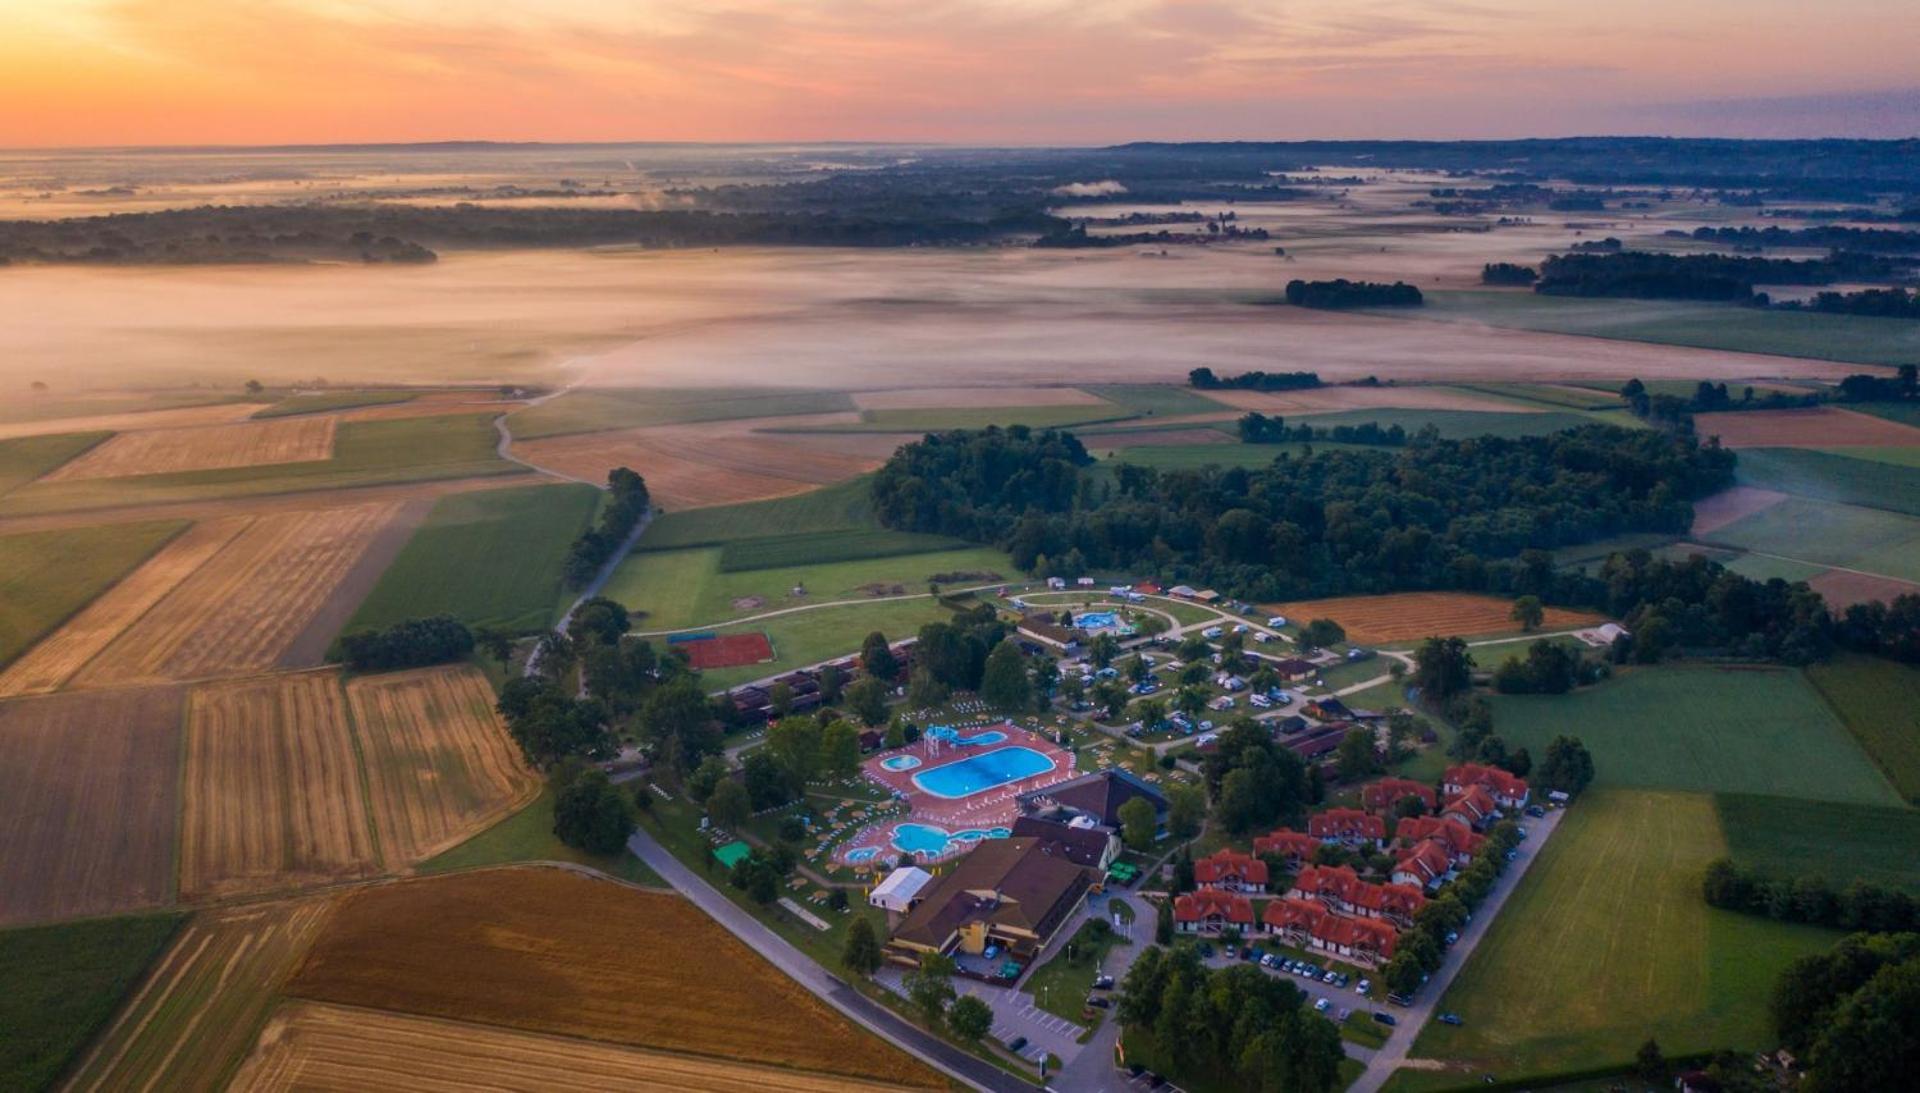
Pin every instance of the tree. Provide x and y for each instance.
(254, 387)
(795, 742)
(896, 736)
(495, 642)
(599, 620)
(877, 659)
(1005, 684)
(1321, 633)
(1138, 669)
(832, 682)
(590, 813)
(839, 750)
(1137, 824)
(1650, 1064)
(1163, 923)
(1568, 767)
(924, 692)
(1186, 810)
(708, 775)
(1111, 697)
(781, 698)
(1873, 1038)
(970, 1018)
(1355, 755)
(1103, 649)
(1442, 668)
(930, 987)
(862, 951)
(867, 699)
(728, 806)
(1529, 612)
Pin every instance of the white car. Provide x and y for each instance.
(1277, 621)
(1322, 1006)
(1212, 632)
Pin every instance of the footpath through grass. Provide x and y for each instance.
(60, 984)
(488, 558)
(1879, 702)
(47, 576)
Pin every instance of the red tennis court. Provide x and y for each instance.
(727, 650)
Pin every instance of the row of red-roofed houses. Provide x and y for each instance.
(1328, 908)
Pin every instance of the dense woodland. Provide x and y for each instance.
(1880, 303)
(1342, 293)
(1861, 240)
(1697, 276)
(1203, 379)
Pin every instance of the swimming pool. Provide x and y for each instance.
(982, 772)
(935, 841)
(897, 763)
(952, 736)
(863, 854)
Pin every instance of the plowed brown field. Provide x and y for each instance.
(240, 611)
(203, 448)
(550, 951)
(440, 765)
(1819, 427)
(89, 802)
(309, 1046)
(1408, 616)
(55, 660)
(273, 796)
(1843, 588)
(196, 1014)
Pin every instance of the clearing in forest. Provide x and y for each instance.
(204, 448)
(1410, 616)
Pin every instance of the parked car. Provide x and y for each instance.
(1400, 1000)
(1449, 1018)
(1014, 1045)
(1363, 986)
(1512, 854)
(1211, 632)
(1206, 949)
(1277, 621)
(1385, 1018)
(1329, 977)
(1453, 936)
(1345, 1012)
(1322, 1006)
(1522, 832)
(1103, 982)
(1536, 811)
(1340, 980)
(1269, 962)
(1099, 1001)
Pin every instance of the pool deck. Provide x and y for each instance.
(994, 807)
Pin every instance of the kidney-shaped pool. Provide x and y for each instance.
(982, 772)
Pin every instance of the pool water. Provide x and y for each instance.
(863, 854)
(989, 770)
(952, 736)
(935, 841)
(900, 762)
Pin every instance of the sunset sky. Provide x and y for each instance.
(114, 72)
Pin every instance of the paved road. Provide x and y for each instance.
(593, 589)
(1413, 1018)
(875, 1017)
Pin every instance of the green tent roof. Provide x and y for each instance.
(732, 854)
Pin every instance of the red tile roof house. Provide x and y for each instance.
(1340, 889)
(1297, 847)
(1211, 910)
(1309, 925)
(1459, 841)
(1381, 796)
(1424, 866)
(1231, 871)
(1508, 791)
(1474, 807)
(1347, 825)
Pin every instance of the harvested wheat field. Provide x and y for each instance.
(309, 1046)
(1819, 427)
(241, 611)
(1842, 588)
(440, 765)
(203, 448)
(1409, 616)
(551, 951)
(717, 463)
(181, 417)
(90, 786)
(272, 793)
(199, 1009)
(432, 404)
(55, 659)
(1320, 400)
(972, 398)
(1736, 503)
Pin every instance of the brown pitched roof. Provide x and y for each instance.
(1007, 882)
(1080, 845)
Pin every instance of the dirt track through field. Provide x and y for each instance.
(273, 796)
(89, 802)
(440, 765)
(336, 1049)
(1407, 616)
(203, 448)
(242, 611)
(53, 661)
(1819, 427)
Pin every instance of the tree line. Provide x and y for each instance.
(1203, 379)
(627, 501)
(1835, 236)
(1646, 275)
(1879, 303)
(1342, 293)
(1852, 1015)
(410, 643)
(1236, 1027)
(1258, 428)
(1810, 899)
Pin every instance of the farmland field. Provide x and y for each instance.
(1790, 838)
(1408, 616)
(1155, 400)
(48, 576)
(190, 1022)
(809, 637)
(203, 448)
(548, 951)
(1464, 423)
(439, 763)
(1371, 398)
(602, 409)
(840, 507)
(1879, 703)
(527, 836)
(931, 420)
(309, 1046)
(26, 458)
(91, 785)
(489, 558)
(819, 547)
(1829, 534)
(60, 984)
(1833, 476)
(273, 795)
(324, 401)
(1610, 925)
(1816, 427)
(242, 610)
(1705, 729)
(45, 416)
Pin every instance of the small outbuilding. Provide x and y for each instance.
(901, 890)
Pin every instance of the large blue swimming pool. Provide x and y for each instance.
(982, 772)
(935, 841)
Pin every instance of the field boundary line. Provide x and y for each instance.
(362, 780)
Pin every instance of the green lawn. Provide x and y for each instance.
(1704, 729)
(488, 558)
(527, 835)
(1705, 325)
(26, 458)
(47, 576)
(1607, 941)
(60, 984)
(1835, 476)
(1156, 400)
(809, 637)
(365, 453)
(589, 411)
(1566, 398)
(1906, 413)
(1879, 703)
(839, 507)
(1826, 533)
(1898, 457)
(1842, 843)
(1061, 985)
(818, 547)
(321, 402)
(1459, 423)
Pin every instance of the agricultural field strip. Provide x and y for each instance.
(23, 459)
(1406, 616)
(48, 577)
(55, 659)
(203, 448)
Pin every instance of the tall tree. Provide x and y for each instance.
(1005, 685)
(727, 805)
(1137, 824)
(877, 659)
(861, 953)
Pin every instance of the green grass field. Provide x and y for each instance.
(365, 453)
(488, 558)
(321, 402)
(1826, 533)
(809, 637)
(1703, 325)
(26, 458)
(592, 411)
(1704, 729)
(942, 419)
(1459, 423)
(47, 576)
(527, 835)
(60, 984)
(1565, 398)
(1879, 703)
(1790, 838)
(841, 506)
(1906, 413)
(1898, 457)
(1607, 941)
(1834, 476)
(817, 547)
(1156, 400)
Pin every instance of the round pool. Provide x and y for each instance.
(862, 854)
(898, 763)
